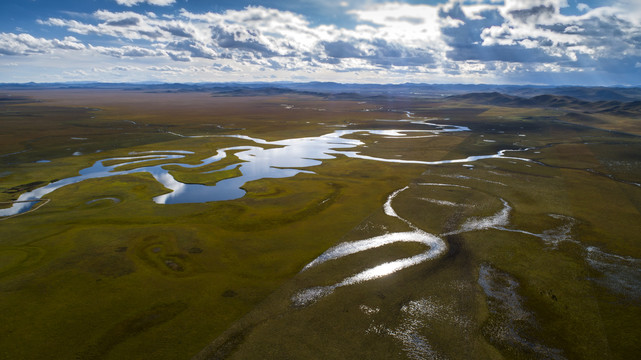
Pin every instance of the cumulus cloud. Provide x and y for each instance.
(25, 44)
(179, 56)
(454, 38)
(535, 31)
(192, 49)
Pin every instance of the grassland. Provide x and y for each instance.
(123, 277)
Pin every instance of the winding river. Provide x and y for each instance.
(280, 159)
(286, 158)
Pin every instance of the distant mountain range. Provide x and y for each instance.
(624, 101)
(625, 108)
(361, 91)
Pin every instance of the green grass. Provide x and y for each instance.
(134, 279)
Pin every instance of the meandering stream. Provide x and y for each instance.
(282, 158)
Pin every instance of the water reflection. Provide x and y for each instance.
(284, 158)
(435, 247)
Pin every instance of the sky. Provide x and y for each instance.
(542, 42)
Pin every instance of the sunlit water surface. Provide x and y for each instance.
(288, 158)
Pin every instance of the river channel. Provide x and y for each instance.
(280, 159)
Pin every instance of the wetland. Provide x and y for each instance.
(177, 225)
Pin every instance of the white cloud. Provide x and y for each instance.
(126, 51)
(111, 69)
(539, 26)
(150, 2)
(165, 68)
(583, 7)
(393, 41)
(25, 44)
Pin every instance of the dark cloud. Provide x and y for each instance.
(177, 31)
(466, 42)
(508, 53)
(379, 52)
(150, 2)
(595, 27)
(194, 48)
(341, 49)
(6, 50)
(150, 34)
(241, 40)
(387, 54)
(469, 30)
(178, 56)
(534, 14)
(132, 21)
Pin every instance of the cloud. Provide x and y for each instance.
(192, 48)
(125, 51)
(165, 68)
(124, 22)
(178, 29)
(25, 44)
(535, 31)
(150, 2)
(223, 68)
(249, 40)
(255, 30)
(179, 56)
(124, 25)
(111, 69)
(377, 52)
(387, 40)
(341, 49)
(583, 7)
(259, 30)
